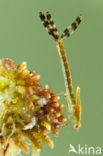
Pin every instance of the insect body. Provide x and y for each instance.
(73, 104)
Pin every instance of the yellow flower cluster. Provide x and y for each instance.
(27, 110)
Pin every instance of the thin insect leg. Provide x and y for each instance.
(69, 30)
(69, 106)
(68, 123)
(58, 92)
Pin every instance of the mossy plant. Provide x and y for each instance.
(26, 109)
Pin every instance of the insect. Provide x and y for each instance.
(73, 103)
(29, 110)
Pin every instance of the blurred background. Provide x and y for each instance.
(23, 38)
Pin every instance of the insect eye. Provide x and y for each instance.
(77, 126)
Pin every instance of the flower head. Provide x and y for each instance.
(27, 110)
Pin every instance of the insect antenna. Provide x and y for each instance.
(44, 21)
(69, 30)
(51, 22)
(49, 25)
